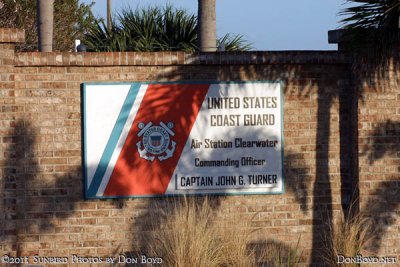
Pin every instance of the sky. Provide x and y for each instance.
(267, 24)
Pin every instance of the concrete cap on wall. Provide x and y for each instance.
(335, 36)
(9, 35)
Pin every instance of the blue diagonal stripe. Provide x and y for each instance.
(113, 140)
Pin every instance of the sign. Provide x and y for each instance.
(147, 139)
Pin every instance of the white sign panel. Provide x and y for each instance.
(169, 139)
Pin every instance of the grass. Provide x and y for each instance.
(189, 235)
(348, 238)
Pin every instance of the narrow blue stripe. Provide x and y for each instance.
(113, 140)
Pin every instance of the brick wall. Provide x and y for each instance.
(379, 148)
(7, 124)
(41, 182)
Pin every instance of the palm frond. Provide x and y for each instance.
(99, 39)
(153, 29)
(234, 43)
(372, 23)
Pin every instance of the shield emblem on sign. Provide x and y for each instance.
(155, 140)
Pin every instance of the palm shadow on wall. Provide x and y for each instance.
(319, 85)
(66, 184)
(378, 72)
(343, 92)
(160, 211)
(297, 173)
(36, 198)
(384, 201)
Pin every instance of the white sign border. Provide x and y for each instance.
(190, 192)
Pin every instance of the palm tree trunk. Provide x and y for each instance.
(45, 10)
(207, 26)
(109, 15)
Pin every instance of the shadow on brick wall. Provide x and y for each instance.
(36, 198)
(383, 202)
(32, 198)
(375, 71)
(380, 75)
(161, 211)
(347, 95)
(298, 174)
(305, 81)
(29, 194)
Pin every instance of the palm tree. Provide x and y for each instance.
(71, 19)
(109, 24)
(45, 15)
(159, 29)
(207, 26)
(154, 29)
(374, 22)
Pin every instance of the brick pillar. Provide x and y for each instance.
(8, 116)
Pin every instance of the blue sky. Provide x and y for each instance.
(267, 24)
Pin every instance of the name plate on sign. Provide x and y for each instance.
(154, 139)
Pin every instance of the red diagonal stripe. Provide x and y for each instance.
(177, 103)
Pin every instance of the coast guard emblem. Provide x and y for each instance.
(156, 141)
